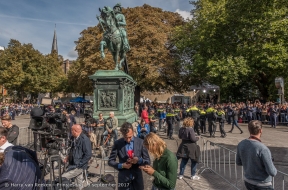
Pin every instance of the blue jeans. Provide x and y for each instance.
(254, 187)
(155, 188)
(183, 165)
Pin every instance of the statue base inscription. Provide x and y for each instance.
(114, 91)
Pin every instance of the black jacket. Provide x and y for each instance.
(13, 133)
(80, 152)
(188, 147)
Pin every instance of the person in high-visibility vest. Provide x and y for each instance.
(221, 119)
(202, 120)
(211, 116)
(195, 114)
(178, 114)
(170, 119)
(160, 116)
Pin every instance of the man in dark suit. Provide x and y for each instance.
(131, 154)
(20, 170)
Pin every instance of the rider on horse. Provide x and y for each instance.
(121, 25)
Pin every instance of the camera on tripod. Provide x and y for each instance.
(49, 129)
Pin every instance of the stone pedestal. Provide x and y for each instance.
(114, 91)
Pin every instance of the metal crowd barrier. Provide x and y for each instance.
(25, 137)
(222, 161)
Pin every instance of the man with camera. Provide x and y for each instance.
(111, 127)
(79, 156)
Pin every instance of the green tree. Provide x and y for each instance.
(149, 59)
(236, 43)
(26, 70)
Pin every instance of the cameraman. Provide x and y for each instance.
(13, 130)
(111, 127)
(79, 155)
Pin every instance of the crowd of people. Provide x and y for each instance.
(202, 113)
(141, 145)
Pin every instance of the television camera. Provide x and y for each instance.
(49, 129)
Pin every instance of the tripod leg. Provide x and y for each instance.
(60, 174)
(44, 168)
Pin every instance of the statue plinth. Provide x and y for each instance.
(114, 91)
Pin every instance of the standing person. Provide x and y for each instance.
(249, 112)
(171, 120)
(136, 109)
(188, 148)
(160, 115)
(211, 116)
(202, 121)
(131, 154)
(235, 114)
(221, 119)
(13, 130)
(152, 121)
(165, 165)
(195, 114)
(99, 130)
(144, 114)
(273, 116)
(256, 159)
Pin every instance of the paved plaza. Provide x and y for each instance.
(275, 139)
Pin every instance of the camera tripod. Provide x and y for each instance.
(52, 159)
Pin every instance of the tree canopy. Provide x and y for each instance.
(238, 45)
(150, 61)
(26, 70)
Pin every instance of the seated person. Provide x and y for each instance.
(79, 156)
(111, 129)
(143, 129)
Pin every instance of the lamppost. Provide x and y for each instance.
(15, 93)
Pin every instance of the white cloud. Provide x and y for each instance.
(184, 14)
(72, 54)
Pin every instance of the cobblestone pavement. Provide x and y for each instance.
(275, 139)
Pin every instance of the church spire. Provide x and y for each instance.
(54, 43)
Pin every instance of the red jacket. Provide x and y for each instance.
(144, 115)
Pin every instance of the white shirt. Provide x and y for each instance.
(5, 145)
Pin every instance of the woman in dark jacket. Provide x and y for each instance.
(188, 148)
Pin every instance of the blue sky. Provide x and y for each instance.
(33, 21)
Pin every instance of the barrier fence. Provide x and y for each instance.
(222, 161)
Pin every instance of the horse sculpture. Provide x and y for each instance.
(112, 38)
